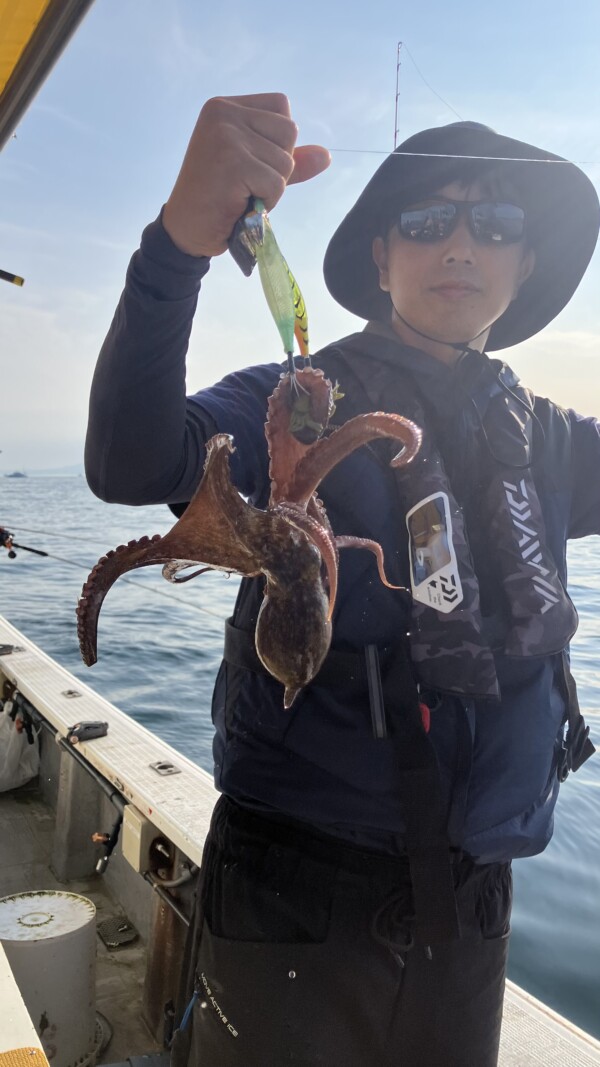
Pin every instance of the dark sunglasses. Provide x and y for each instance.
(488, 222)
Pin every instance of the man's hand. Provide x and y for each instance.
(241, 146)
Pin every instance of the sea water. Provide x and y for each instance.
(159, 649)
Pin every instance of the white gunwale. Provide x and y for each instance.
(179, 805)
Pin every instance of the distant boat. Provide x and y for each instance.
(16, 474)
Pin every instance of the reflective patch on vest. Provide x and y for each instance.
(529, 542)
(434, 575)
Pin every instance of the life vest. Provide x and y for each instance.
(492, 417)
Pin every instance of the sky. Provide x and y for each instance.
(98, 151)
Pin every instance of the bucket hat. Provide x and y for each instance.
(560, 202)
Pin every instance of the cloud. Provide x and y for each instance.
(48, 354)
(187, 56)
(12, 230)
(360, 107)
(66, 119)
(15, 169)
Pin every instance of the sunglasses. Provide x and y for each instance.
(489, 222)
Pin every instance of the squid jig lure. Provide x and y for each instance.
(253, 242)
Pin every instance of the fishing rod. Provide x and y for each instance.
(14, 279)
(6, 541)
(61, 534)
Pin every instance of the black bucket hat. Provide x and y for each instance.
(561, 205)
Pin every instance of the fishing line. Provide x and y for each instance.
(51, 533)
(138, 585)
(422, 76)
(447, 155)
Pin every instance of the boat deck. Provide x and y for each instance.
(26, 834)
(179, 806)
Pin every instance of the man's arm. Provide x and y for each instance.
(585, 453)
(144, 442)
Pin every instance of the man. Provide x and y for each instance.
(355, 894)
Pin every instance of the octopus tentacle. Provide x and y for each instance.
(316, 510)
(218, 529)
(141, 553)
(329, 451)
(344, 541)
(171, 569)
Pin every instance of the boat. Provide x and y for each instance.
(16, 474)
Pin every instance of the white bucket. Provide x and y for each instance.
(50, 941)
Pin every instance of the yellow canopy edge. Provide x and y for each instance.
(18, 23)
(33, 34)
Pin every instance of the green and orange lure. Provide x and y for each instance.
(253, 242)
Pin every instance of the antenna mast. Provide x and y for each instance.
(397, 92)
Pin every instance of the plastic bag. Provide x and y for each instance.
(19, 757)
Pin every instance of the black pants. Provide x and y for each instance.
(301, 953)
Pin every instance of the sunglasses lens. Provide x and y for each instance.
(431, 223)
(498, 223)
(489, 222)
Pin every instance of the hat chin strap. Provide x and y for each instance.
(460, 346)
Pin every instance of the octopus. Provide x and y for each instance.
(290, 542)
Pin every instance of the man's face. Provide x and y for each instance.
(454, 289)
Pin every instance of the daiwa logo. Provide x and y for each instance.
(529, 544)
